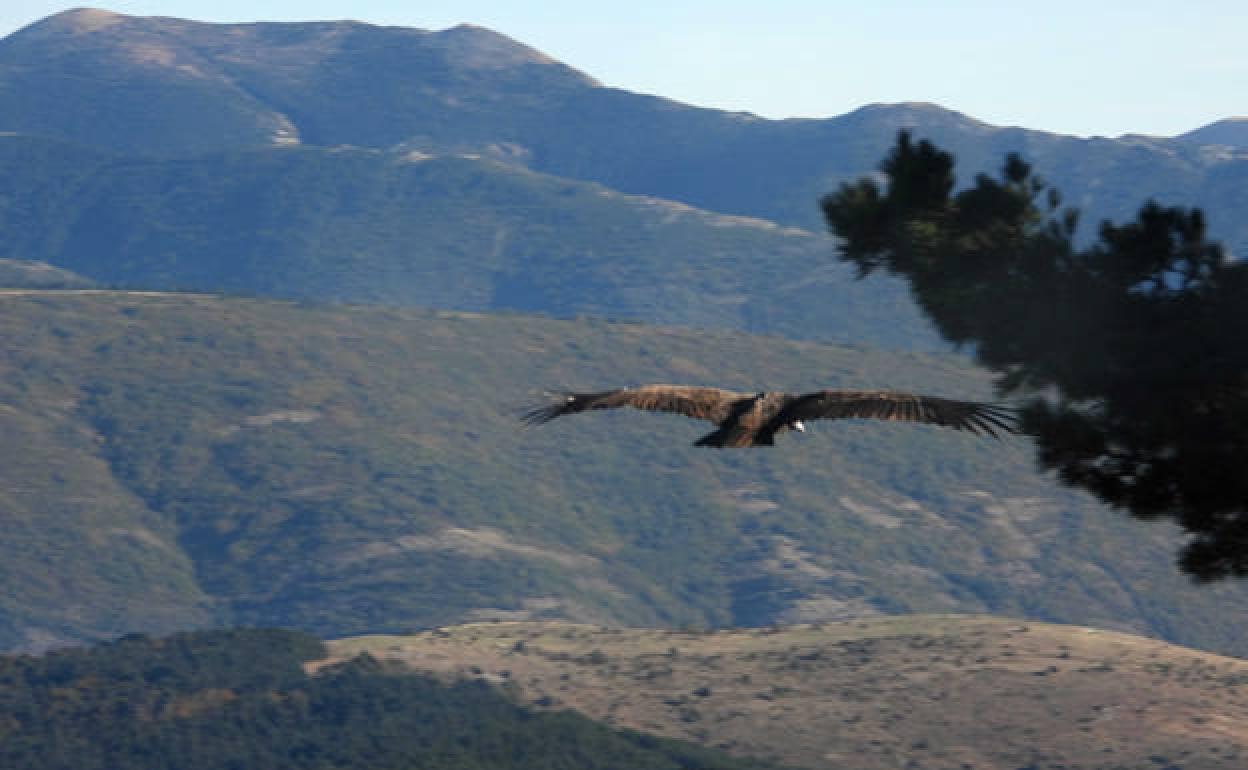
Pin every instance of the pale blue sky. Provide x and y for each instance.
(1095, 67)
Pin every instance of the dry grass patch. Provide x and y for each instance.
(914, 691)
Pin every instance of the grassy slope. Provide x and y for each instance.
(923, 692)
(349, 469)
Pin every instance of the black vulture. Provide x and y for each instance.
(754, 419)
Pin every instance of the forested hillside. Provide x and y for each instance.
(215, 701)
(179, 461)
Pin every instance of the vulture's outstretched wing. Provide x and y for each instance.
(972, 416)
(701, 403)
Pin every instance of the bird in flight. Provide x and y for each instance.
(754, 419)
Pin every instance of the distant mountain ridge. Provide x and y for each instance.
(207, 87)
(1231, 132)
(177, 127)
(87, 75)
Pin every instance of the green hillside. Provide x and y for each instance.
(241, 699)
(179, 461)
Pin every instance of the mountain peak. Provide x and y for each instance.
(475, 47)
(466, 46)
(68, 24)
(911, 114)
(84, 19)
(193, 86)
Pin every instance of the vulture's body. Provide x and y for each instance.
(754, 419)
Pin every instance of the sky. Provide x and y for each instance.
(1088, 68)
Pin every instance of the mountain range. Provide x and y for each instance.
(274, 297)
(203, 111)
(337, 161)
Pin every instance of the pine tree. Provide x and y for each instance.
(1129, 352)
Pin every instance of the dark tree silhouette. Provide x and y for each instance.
(1131, 353)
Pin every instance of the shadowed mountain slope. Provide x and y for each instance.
(454, 232)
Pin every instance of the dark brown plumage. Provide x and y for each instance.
(746, 419)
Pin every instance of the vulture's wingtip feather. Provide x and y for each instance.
(545, 412)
